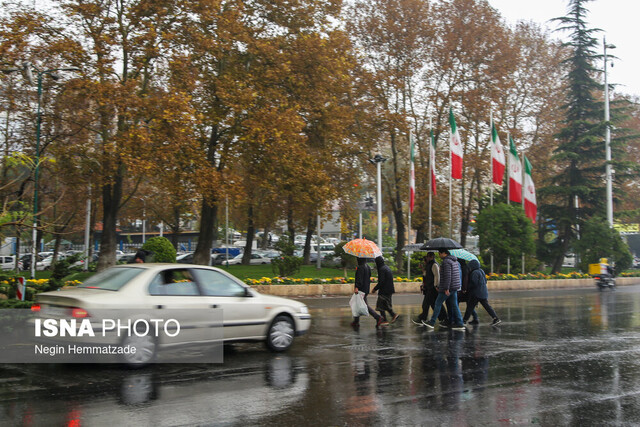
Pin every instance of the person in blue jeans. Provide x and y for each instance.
(448, 291)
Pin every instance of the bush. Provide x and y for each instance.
(286, 265)
(161, 250)
(61, 269)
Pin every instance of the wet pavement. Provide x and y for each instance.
(559, 358)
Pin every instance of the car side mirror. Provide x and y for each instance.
(247, 293)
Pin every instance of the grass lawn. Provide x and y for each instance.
(257, 271)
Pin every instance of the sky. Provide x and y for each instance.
(618, 20)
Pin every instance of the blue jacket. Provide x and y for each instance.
(449, 274)
(477, 281)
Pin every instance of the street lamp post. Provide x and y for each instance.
(37, 160)
(26, 68)
(378, 160)
(608, 171)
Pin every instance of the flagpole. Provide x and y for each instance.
(491, 179)
(508, 191)
(411, 175)
(508, 170)
(450, 181)
(430, 170)
(491, 160)
(522, 200)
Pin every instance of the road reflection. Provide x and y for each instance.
(558, 359)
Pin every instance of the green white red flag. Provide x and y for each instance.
(530, 204)
(497, 156)
(412, 176)
(515, 174)
(432, 162)
(455, 146)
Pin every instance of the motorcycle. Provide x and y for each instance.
(604, 281)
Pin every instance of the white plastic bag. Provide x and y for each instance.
(358, 306)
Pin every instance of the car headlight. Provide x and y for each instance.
(304, 309)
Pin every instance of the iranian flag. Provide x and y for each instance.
(432, 162)
(455, 145)
(530, 204)
(497, 156)
(515, 174)
(412, 176)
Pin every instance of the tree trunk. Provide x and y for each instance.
(175, 227)
(306, 254)
(251, 232)
(111, 197)
(208, 229)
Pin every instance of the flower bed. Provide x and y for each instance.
(398, 279)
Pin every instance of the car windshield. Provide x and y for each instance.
(111, 279)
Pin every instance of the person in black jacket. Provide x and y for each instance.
(363, 284)
(429, 288)
(386, 288)
(478, 292)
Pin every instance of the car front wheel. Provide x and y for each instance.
(280, 333)
(146, 348)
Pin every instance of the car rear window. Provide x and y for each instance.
(111, 279)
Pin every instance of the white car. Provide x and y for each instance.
(246, 314)
(9, 263)
(255, 259)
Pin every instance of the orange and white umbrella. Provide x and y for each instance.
(362, 248)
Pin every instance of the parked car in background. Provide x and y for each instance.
(220, 258)
(248, 315)
(8, 262)
(45, 263)
(255, 259)
(185, 258)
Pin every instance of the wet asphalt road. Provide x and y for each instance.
(559, 358)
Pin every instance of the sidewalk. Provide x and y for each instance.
(312, 290)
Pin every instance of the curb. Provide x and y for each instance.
(317, 290)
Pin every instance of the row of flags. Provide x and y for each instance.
(499, 163)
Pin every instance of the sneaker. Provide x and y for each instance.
(381, 322)
(444, 324)
(417, 322)
(496, 321)
(458, 327)
(429, 324)
(395, 318)
(474, 322)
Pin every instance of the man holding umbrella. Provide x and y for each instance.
(448, 291)
(363, 249)
(363, 284)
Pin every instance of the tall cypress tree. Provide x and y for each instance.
(580, 155)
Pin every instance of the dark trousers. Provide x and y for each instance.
(385, 304)
(429, 301)
(473, 302)
(371, 311)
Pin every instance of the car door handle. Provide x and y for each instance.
(159, 306)
(214, 305)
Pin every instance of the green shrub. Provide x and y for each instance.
(14, 303)
(286, 265)
(61, 269)
(161, 250)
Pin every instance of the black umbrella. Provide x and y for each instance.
(441, 243)
(413, 247)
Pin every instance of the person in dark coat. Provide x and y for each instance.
(386, 288)
(429, 288)
(463, 293)
(448, 291)
(363, 284)
(478, 292)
